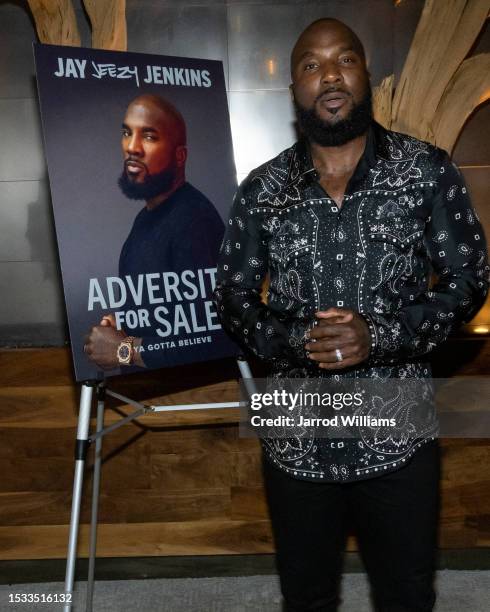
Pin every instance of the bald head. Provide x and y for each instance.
(165, 112)
(316, 32)
(154, 147)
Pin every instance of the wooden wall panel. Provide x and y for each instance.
(204, 537)
(248, 503)
(176, 484)
(190, 471)
(117, 507)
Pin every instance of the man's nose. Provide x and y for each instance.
(331, 73)
(134, 145)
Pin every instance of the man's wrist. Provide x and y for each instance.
(125, 351)
(137, 350)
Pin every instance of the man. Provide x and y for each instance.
(348, 222)
(178, 229)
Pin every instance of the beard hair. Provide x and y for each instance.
(152, 186)
(327, 134)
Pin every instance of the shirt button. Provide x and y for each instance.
(339, 257)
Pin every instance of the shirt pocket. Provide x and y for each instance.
(397, 264)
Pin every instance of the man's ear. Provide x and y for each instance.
(181, 155)
(291, 92)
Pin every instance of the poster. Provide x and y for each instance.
(142, 176)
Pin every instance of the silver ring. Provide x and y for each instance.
(338, 355)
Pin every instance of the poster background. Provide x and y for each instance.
(82, 132)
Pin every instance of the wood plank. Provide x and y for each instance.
(56, 473)
(163, 507)
(213, 537)
(206, 537)
(123, 506)
(55, 21)
(248, 445)
(25, 442)
(28, 443)
(455, 534)
(190, 471)
(35, 367)
(43, 474)
(38, 407)
(124, 469)
(465, 502)
(483, 530)
(246, 469)
(57, 407)
(465, 462)
(206, 439)
(248, 504)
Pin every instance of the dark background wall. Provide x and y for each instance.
(253, 38)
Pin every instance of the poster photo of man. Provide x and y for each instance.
(141, 172)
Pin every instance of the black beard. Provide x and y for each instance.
(152, 186)
(327, 134)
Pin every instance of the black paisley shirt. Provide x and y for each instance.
(405, 218)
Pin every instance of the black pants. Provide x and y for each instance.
(395, 519)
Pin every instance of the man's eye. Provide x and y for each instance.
(347, 60)
(125, 133)
(311, 66)
(150, 137)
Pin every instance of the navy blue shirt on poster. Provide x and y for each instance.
(182, 233)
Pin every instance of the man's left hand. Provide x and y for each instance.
(339, 332)
(102, 342)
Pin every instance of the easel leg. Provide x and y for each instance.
(244, 368)
(246, 374)
(80, 455)
(95, 497)
(82, 445)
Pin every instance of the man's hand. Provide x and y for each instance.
(339, 329)
(102, 341)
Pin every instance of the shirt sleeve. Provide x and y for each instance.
(456, 246)
(242, 269)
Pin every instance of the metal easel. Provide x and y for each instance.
(82, 445)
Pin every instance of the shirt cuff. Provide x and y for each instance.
(372, 332)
